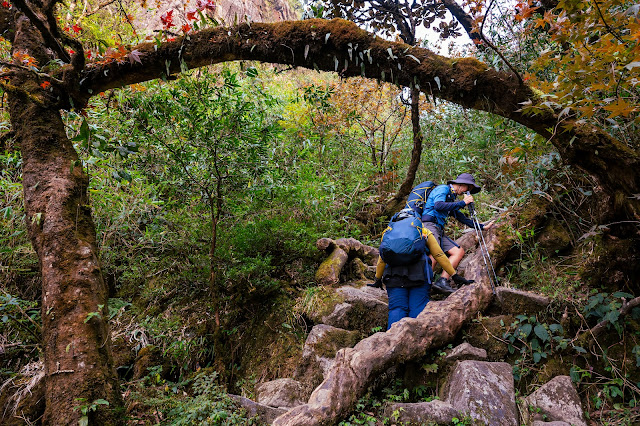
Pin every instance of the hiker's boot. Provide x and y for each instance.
(442, 286)
(376, 284)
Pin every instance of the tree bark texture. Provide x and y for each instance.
(76, 341)
(355, 368)
(341, 46)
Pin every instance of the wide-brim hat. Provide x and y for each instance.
(466, 179)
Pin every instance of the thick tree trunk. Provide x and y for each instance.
(76, 342)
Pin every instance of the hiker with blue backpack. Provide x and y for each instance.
(440, 203)
(404, 266)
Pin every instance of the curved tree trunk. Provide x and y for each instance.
(329, 45)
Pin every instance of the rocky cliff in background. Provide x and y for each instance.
(259, 10)
(226, 11)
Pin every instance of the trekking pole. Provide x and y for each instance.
(491, 272)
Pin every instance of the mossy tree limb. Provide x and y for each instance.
(341, 46)
(340, 251)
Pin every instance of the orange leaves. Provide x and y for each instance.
(594, 61)
(45, 85)
(548, 18)
(119, 54)
(525, 11)
(25, 59)
(137, 87)
(620, 107)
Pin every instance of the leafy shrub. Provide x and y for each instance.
(210, 405)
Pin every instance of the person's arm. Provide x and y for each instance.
(437, 253)
(379, 272)
(380, 268)
(462, 218)
(448, 206)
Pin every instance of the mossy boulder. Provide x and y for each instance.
(612, 264)
(487, 332)
(148, 357)
(281, 393)
(484, 390)
(554, 237)
(557, 401)
(517, 302)
(319, 350)
(552, 368)
(363, 309)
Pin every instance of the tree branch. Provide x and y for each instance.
(341, 45)
(463, 18)
(49, 38)
(602, 326)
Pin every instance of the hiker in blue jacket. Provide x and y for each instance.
(441, 203)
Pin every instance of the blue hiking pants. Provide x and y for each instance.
(406, 302)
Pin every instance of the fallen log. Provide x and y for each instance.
(355, 368)
(340, 251)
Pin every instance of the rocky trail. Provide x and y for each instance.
(336, 369)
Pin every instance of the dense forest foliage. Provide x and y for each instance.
(207, 187)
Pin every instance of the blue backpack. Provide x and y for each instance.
(402, 241)
(418, 196)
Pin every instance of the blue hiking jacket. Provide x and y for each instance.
(442, 203)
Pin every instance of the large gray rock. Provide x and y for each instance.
(464, 352)
(541, 423)
(319, 350)
(483, 390)
(363, 309)
(280, 393)
(265, 413)
(516, 302)
(420, 413)
(557, 400)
